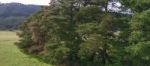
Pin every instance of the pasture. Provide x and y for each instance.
(10, 55)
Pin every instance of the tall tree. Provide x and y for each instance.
(139, 39)
(86, 33)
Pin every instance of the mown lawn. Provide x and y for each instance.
(10, 55)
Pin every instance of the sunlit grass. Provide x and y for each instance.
(10, 54)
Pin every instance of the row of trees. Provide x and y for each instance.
(11, 23)
(86, 33)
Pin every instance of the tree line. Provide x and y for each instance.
(86, 33)
(13, 14)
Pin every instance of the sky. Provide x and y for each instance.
(37, 2)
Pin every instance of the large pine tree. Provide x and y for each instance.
(86, 33)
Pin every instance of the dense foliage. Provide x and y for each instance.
(12, 14)
(86, 33)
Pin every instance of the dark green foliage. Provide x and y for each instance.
(10, 23)
(139, 39)
(67, 34)
(137, 5)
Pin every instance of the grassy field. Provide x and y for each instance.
(10, 54)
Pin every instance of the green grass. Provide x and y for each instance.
(10, 55)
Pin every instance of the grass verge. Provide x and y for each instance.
(10, 55)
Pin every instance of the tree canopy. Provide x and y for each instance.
(86, 33)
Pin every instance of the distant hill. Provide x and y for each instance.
(12, 14)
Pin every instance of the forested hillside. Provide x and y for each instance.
(87, 33)
(13, 14)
